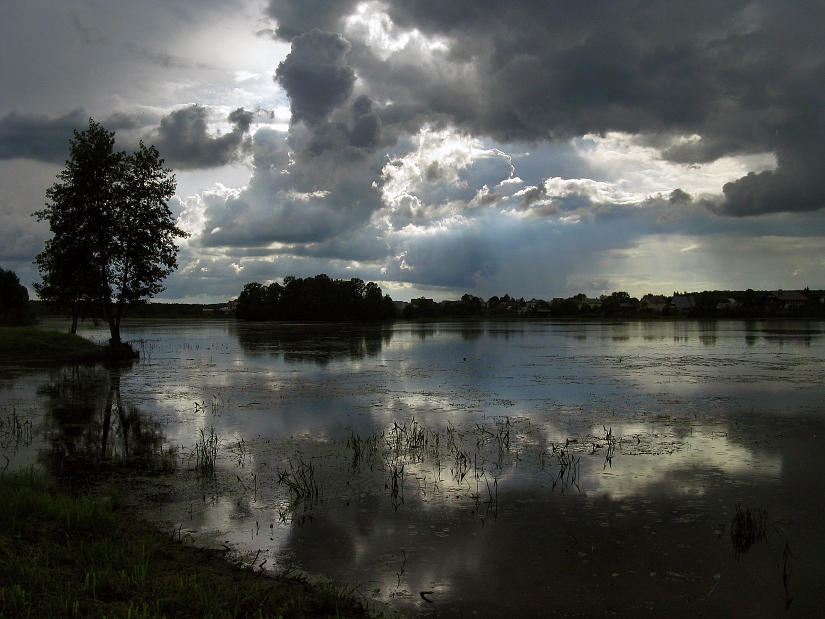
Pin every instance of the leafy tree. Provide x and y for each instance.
(315, 298)
(67, 282)
(13, 299)
(114, 235)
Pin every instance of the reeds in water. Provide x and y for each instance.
(748, 526)
(300, 481)
(206, 452)
(14, 431)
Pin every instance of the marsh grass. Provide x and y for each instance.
(395, 483)
(14, 431)
(300, 481)
(567, 473)
(410, 451)
(748, 526)
(85, 556)
(363, 450)
(610, 440)
(206, 452)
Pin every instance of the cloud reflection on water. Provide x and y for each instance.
(694, 430)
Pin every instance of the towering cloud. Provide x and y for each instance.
(316, 76)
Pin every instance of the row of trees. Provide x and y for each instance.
(316, 298)
(114, 235)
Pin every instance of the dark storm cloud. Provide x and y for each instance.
(745, 76)
(182, 136)
(366, 125)
(316, 75)
(31, 136)
(184, 141)
(298, 17)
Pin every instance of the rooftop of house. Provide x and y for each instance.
(787, 295)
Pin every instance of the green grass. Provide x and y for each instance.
(65, 556)
(30, 345)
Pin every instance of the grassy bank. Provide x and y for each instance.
(64, 556)
(29, 345)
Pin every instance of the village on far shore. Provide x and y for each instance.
(709, 304)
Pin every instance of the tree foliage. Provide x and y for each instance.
(114, 235)
(316, 298)
(13, 299)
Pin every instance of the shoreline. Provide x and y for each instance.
(92, 556)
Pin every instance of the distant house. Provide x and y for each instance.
(230, 308)
(783, 300)
(682, 303)
(727, 304)
(421, 302)
(629, 306)
(591, 303)
(653, 303)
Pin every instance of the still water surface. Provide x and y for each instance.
(469, 470)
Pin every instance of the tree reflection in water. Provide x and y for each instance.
(89, 429)
(320, 343)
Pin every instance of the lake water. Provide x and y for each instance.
(494, 469)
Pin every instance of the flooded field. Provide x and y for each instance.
(639, 469)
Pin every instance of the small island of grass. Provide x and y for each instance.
(30, 345)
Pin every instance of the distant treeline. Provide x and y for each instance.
(316, 298)
(144, 310)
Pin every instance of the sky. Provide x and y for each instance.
(536, 148)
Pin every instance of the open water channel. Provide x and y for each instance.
(645, 469)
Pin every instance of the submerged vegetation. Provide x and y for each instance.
(69, 556)
(749, 525)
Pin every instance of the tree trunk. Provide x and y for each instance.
(75, 314)
(114, 326)
(107, 420)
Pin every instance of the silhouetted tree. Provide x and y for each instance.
(13, 299)
(318, 298)
(114, 235)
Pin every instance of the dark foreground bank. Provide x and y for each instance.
(30, 345)
(82, 556)
(38, 347)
